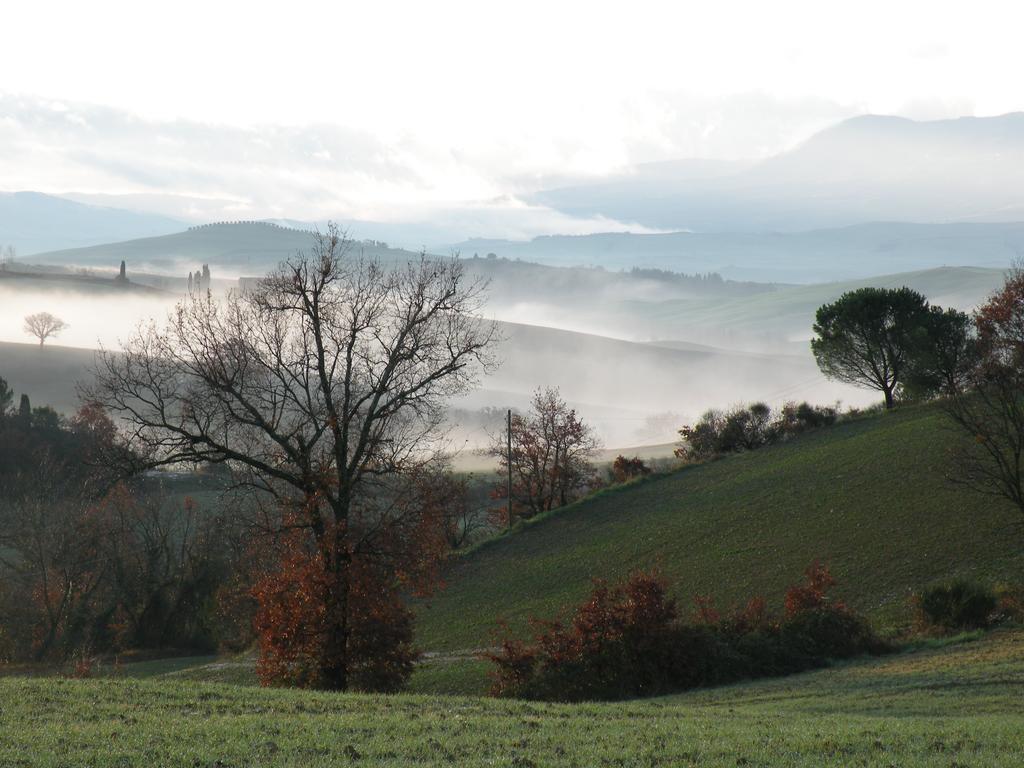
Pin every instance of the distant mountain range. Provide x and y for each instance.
(33, 222)
(869, 195)
(814, 256)
(869, 168)
(865, 250)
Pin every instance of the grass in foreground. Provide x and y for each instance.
(958, 705)
(870, 497)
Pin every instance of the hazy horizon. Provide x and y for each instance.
(439, 117)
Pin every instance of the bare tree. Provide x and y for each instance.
(989, 406)
(319, 387)
(43, 325)
(551, 452)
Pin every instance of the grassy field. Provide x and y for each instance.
(957, 705)
(868, 496)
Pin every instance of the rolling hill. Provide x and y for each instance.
(868, 496)
(47, 375)
(33, 222)
(812, 256)
(787, 314)
(239, 245)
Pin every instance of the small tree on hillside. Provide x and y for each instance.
(990, 408)
(551, 453)
(43, 325)
(867, 337)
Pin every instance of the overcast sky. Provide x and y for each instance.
(391, 110)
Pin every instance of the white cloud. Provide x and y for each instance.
(207, 171)
(395, 109)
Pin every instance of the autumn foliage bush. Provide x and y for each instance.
(625, 469)
(294, 591)
(629, 640)
(291, 624)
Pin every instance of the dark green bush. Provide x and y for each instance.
(829, 632)
(749, 427)
(957, 605)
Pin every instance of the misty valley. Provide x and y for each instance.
(552, 385)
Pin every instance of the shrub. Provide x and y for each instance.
(829, 632)
(624, 469)
(747, 428)
(797, 418)
(618, 644)
(627, 641)
(812, 594)
(957, 605)
(1009, 602)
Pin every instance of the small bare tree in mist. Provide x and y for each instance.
(551, 455)
(43, 325)
(322, 388)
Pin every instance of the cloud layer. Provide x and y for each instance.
(203, 171)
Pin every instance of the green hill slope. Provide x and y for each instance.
(867, 496)
(46, 375)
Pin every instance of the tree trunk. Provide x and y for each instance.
(889, 402)
(334, 661)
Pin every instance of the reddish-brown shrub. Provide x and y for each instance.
(624, 469)
(627, 640)
(706, 611)
(609, 649)
(1010, 602)
(812, 593)
(292, 624)
(83, 666)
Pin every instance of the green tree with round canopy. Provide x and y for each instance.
(868, 337)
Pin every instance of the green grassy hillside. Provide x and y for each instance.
(867, 496)
(47, 374)
(956, 705)
(789, 311)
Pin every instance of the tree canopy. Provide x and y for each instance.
(867, 337)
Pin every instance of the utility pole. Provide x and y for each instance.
(508, 488)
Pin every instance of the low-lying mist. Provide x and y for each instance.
(94, 319)
(633, 393)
